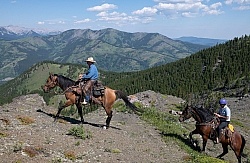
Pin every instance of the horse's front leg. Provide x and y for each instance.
(61, 107)
(192, 141)
(225, 151)
(191, 136)
(204, 142)
(79, 108)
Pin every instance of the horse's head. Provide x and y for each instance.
(186, 113)
(50, 83)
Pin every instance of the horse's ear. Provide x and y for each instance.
(50, 73)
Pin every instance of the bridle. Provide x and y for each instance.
(51, 82)
(191, 113)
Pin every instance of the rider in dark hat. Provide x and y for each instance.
(224, 114)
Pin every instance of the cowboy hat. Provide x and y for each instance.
(90, 59)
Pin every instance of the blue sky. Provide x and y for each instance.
(173, 18)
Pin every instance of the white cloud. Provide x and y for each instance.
(61, 22)
(243, 2)
(40, 23)
(113, 16)
(216, 5)
(122, 19)
(187, 8)
(228, 2)
(82, 21)
(170, 8)
(180, 6)
(189, 14)
(146, 11)
(242, 8)
(51, 22)
(103, 7)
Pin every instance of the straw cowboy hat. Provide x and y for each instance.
(90, 59)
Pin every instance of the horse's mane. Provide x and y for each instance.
(205, 114)
(64, 81)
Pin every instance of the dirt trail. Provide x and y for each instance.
(128, 140)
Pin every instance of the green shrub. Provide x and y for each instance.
(79, 132)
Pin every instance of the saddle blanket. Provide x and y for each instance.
(231, 127)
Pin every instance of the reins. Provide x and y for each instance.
(195, 114)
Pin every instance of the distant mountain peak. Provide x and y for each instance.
(201, 41)
(29, 31)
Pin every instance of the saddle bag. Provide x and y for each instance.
(98, 89)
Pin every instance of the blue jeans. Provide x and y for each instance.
(222, 125)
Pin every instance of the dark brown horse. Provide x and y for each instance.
(205, 124)
(106, 100)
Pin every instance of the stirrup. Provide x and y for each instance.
(216, 141)
(84, 102)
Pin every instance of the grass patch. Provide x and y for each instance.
(119, 106)
(3, 134)
(32, 151)
(70, 155)
(115, 150)
(18, 146)
(238, 123)
(80, 132)
(173, 131)
(6, 121)
(60, 120)
(25, 120)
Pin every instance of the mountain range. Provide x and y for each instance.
(201, 41)
(112, 49)
(15, 32)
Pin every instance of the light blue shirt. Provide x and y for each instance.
(225, 111)
(92, 73)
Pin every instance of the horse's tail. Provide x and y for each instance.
(124, 97)
(242, 144)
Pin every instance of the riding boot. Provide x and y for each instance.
(84, 102)
(217, 140)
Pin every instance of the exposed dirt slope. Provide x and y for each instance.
(128, 140)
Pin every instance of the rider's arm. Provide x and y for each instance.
(220, 116)
(92, 73)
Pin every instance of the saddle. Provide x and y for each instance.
(228, 131)
(215, 122)
(97, 89)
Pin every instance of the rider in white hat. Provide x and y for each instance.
(90, 77)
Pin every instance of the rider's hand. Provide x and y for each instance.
(80, 76)
(216, 114)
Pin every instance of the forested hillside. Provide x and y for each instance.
(112, 49)
(224, 67)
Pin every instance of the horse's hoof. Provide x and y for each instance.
(104, 127)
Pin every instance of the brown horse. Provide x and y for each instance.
(106, 100)
(205, 124)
